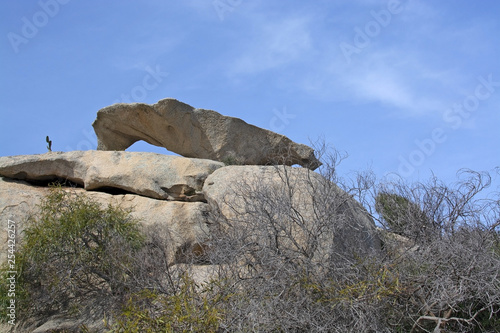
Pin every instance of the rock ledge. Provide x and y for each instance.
(197, 133)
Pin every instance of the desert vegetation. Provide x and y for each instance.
(282, 257)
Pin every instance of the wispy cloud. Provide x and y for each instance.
(394, 78)
(397, 79)
(422, 69)
(416, 66)
(383, 85)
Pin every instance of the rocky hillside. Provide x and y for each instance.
(184, 193)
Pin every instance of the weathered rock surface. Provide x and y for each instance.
(397, 245)
(197, 133)
(177, 196)
(17, 202)
(185, 224)
(148, 174)
(301, 199)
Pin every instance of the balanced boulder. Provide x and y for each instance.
(197, 133)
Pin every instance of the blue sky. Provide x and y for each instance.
(409, 86)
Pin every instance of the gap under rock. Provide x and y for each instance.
(51, 181)
(176, 192)
(47, 181)
(112, 190)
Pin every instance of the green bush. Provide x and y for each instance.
(73, 253)
(402, 216)
(190, 309)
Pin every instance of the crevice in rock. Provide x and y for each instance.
(47, 181)
(176, 193)
(112, 190)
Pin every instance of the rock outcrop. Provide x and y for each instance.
(180, 197)
(184, 224)
(180, 193)
(197, 133)
(298, 198)
(188, 200)
(148, 174)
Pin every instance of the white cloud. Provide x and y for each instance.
(399, 80)
(421, 70)
(415, 66)
(381, 85)
(393, 78)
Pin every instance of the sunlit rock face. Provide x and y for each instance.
(197, 133)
